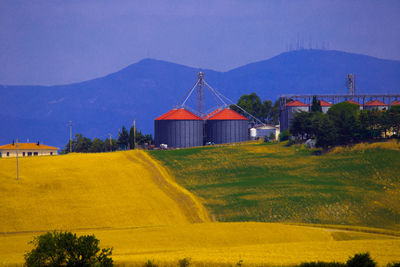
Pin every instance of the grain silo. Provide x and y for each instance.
(226, 126)
(179, 128)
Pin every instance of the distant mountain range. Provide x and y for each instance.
(149, 88)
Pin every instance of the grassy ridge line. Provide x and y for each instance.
(192, 207)
(357, 186)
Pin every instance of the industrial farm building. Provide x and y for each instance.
(290, 104)
(180, 127)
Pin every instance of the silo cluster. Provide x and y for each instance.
(181, 128)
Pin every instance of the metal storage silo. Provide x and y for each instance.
(178, 128)
(226, 126)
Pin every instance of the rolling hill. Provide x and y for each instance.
(76, 192)
(131, 203)
(274, 183)
(148, 88)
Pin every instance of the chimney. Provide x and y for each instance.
(38, 143)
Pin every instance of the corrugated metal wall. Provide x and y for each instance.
(226, 131)
(178, 133)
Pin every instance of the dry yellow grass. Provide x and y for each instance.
(392, 144)
(226, 243)
(81, 191)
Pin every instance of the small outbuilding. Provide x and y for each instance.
(27, 150)
(264, 131)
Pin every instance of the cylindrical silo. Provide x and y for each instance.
(226, 126)
(178, 128)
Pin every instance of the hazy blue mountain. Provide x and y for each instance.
(149, 88)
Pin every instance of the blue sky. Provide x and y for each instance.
(47, 42)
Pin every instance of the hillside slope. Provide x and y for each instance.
(149, 88)
(275, 183)
(85, 191)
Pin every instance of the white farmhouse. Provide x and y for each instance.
(27, 150)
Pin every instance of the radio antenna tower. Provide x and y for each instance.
(351, 84)
(200, 93)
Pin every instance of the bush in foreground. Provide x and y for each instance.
(358, 260)
(66, 249)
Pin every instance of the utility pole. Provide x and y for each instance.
(16, 150)
(200, 93)
(110, 142)
(134, 133)
(70, 136)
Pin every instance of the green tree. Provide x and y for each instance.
(66, 249)
(252, 104)
(123, 139)
(97, 145)
(110, 146)
(393, 115)
(301, 125)
(324, 130)
(345, 119)
(316, 105)
(361, 260)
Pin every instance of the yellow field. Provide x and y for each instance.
(92, 191)
(130, 202)
(219, 244)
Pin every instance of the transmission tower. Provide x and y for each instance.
(351, 85)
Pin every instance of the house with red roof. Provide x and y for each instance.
(395, 103)
(288, 112)
(375, 104)
(27, 150)
(325, 105)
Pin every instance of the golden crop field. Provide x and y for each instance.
(81, 191)
(131, 203)
(225, 244)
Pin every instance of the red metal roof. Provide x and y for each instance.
(212, 113)
(179, 114)
(296, 103)
(352, 102)
(325, 104)
(225, 114)
(375, 103)
(395, 103)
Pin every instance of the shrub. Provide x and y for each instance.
(283, 136)
(393, 264)
(184, 262)
(150, 263)
(361, 260)
(66, 249)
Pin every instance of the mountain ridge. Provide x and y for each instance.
(150, 87)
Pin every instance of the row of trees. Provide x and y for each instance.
(125, 141)
(344, 124)
(266, 111)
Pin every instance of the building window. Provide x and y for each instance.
(51, 153)
(8, 154)
(35, 153)
(29, 154)
(0, 155)
(23, 154)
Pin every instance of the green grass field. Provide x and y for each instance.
(275, 183)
